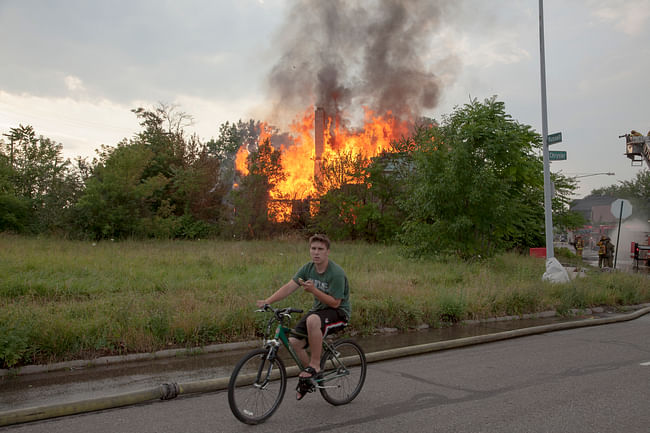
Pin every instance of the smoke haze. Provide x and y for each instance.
(342, 55)
(632, 230)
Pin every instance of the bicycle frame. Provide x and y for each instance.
(281, 337)
(282, 334)
(258, 382)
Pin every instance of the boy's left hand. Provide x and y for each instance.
(308, 285)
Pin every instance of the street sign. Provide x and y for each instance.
(557, 155)
(616, 208)
(554, 138)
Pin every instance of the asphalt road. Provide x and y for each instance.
(594, 379)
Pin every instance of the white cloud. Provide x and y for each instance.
(628, 16)
(213, 59)
(74, 83)
(503, 51)
(209, 114)
(83, 125)
(503, 47)
(80, 125)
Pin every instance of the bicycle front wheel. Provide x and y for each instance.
(343, 372)
(256, 387)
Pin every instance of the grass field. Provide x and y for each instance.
(63, 300)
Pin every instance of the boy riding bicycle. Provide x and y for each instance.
(331, 308)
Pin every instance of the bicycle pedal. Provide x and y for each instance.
(306, 385)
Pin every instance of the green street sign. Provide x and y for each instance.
(557, 155)
(554, 138)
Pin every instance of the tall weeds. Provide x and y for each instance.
(63, 300)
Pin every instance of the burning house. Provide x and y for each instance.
(351, 79)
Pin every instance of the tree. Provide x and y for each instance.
(636, 190)
(358, 197)
(343, 193)
(117, 198)
(37, 176)
(232, 137)
(15, 211)
(563, 218)
(200, 187)
(171, 180)
(253, 215)
(476, 185)
(164, 136)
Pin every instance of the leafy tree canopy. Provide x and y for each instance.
(476, 186)
(636, 190)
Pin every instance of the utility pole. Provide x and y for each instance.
(548, 217)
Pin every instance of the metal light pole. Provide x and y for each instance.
(548, 218)
(609, 173)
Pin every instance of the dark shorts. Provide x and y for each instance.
(331, 320)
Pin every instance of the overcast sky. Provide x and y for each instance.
(74, 69)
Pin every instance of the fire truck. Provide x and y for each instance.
(637, 148)
(641, 254)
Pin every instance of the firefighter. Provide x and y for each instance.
(602, 251)
(579, 246)
(609, 252)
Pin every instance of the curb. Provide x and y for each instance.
(168, 391)
(108, 360)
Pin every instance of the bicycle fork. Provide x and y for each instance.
(264, 371)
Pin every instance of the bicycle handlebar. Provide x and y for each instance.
(279, 312)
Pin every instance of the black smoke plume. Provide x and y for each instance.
(345, 54)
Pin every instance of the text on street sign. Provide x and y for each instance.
(554, 138)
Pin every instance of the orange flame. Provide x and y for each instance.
(373, 138)
(241, 162)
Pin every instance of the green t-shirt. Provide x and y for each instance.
(333, 282)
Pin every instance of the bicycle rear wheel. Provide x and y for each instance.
(256, 387)
(343, 372)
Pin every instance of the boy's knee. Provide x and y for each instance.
(313, 321)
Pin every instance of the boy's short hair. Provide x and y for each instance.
(320, 238)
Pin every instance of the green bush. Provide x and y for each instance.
(564, 252)
(15, 213)
(158, 324)
(14, 345)
(451, 308)
(520, 302)
(571, 297)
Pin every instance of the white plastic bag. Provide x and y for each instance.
(555, 272)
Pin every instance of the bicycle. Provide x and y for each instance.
(259, 380)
